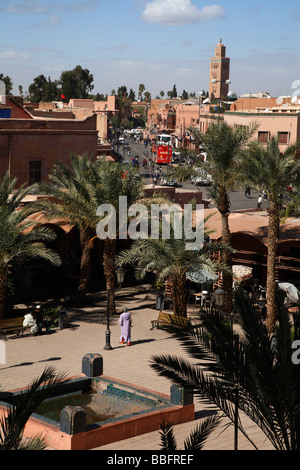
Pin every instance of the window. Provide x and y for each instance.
(283, 137)
(263, 137)
(35, 172)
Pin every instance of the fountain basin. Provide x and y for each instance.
(89, 412)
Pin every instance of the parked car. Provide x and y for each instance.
(164, 181)
(175, 163)
(202, 178)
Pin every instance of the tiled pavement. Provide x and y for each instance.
(27, 356)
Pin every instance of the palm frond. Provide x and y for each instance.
(168, 440)
(252, 370)
(201, 433)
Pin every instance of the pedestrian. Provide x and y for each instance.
(125, 323)
(40, 321)
(247, 192)
(259, 202)
(30, 320)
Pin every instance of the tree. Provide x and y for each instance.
(141, 91)
(131, 95)
(99, 97)
(114, 181)
(184, 95)
(76, 83)
(171, 260)
(43, 89)
(224, 146)
(80, 189)
(147, 96)
(124, 103)
(8, 83)
(21, 238)
(77, 203)
(251, 371)
(13, 424)
(162, 94)
(268, 168)
(52, 91)
(37, 89)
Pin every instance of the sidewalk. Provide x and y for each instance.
(27, 356)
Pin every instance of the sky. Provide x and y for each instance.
(155, 42)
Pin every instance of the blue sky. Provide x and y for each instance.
(155, 42)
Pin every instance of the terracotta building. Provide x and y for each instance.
(30, 147)
(285, 125)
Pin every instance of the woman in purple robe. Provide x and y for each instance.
(125, 323)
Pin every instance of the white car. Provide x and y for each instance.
(202, 179)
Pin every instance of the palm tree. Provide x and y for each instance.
(141, 90)
(115, 181)
(79, 190)
(13, 423)
(171, 260)
(21, 238)
(252, 371)
(268, 168)
(75, 203)
(224, 146)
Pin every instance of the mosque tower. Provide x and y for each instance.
(219, 70)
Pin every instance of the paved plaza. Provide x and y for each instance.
(27, 356)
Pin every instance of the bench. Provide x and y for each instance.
(167, 319)
(13, 325)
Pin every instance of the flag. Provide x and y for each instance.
(63, 97)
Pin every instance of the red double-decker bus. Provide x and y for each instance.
(162, 149)
(163, 154)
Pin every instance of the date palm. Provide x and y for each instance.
(114, 181)
(267, 167)
(75, 203)
(171, 260)
(21, 238)
(251, 371)
(224, 146)
(79, 189)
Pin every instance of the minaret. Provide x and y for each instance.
(219, 70)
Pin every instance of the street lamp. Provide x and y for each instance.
(219, 297)
(120, 272)
(107, 331)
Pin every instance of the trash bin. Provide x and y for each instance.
(62, 319)
(160, 302)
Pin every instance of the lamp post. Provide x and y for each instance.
(219, 297)
(120, 276)
(107, 331)
(120, 272)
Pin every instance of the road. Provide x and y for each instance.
(238, 199)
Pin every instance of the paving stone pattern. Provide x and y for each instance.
(27, 356)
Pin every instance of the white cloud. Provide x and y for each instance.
(180, 12)
(14, 55)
